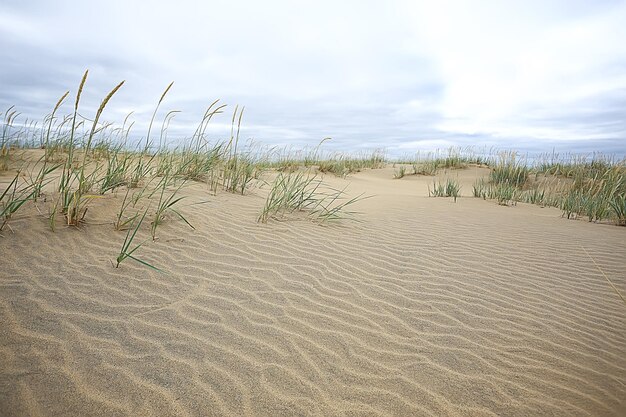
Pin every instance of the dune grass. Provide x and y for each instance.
(342, 164)
(400, 172)
(305, 192)
(449, 188)
(128, 249)
(85, 158)
(509, 169)
(8, 119)
(595, 189)
(166, 204)
(618, 207)
(13, 198)
(431, 163)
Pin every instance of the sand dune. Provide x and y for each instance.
(423, 307)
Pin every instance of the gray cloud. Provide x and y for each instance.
(407, 76)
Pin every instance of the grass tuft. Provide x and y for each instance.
(13, 198)
(450, 188)
(300, 191)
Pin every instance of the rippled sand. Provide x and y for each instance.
(424, 307)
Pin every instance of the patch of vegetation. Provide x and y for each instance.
(593, 189)
(450, 188)
(304, 192)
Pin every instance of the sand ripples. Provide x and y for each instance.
(466, 309)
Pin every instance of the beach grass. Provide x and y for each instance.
(594, 189)
(167, 203)
(83, 159)
(304, 192)
(449, 188)
(129, 248)
(13, 198)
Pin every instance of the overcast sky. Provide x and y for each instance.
(406, 75)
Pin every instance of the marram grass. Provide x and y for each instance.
(595, 190)
(449, 188)
(305, 192)
(86, 159)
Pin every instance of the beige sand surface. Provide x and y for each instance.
(424, 307)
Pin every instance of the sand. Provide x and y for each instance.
(423, 307)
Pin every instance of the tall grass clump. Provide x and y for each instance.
(299, 191)
(507, 178)
(235, 174)
(341, 164)
(167, 203)
(581, 188)
(480, 188)
(222, 165)
(576, 167)
(5, 140)
(77, 206)
(450, 188)
(400, 173)
(429, 167)
(196, 164)
(45, 169)
(535, 195)
(198, 160)
(509, 169)
(117, 170)
(505, 193)
(599, 196)
(144, 159)
(618, 207)
(13, 198)
(453, 158)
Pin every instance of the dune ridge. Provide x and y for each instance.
(423, 307)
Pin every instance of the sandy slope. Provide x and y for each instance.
(425, 307)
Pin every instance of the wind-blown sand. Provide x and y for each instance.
(424, 307)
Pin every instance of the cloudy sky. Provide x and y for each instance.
(406, 75)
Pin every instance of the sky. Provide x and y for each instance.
(404, 75)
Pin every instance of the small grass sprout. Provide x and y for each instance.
(166, 204)
(128, 249)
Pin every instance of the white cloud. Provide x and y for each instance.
(397, 73)
(502, 60)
